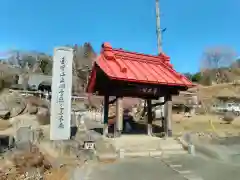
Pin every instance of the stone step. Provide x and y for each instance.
(142, 154)
(104, 147)
(175, 152)
(171, 146)
(152, 153)
(107, 158)
(164, 148)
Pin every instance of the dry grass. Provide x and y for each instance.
(201, 123)
(36, 101)
(21, 162)
(43, 119)
(56, 174)
(4, 124)
(206, 92)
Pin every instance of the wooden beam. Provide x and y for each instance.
(105, 115)
(149, 117)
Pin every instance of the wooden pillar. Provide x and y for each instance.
(149, 117)
(119, 118)
(105, 115)
(168, 116)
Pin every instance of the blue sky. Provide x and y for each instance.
(192, 26)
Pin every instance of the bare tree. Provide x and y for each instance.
(45, 64)
(82, 63)
(236, 64)
(33, 61)
(27, 61)
(215, 62)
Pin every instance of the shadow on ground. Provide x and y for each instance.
(232, 140)
(136, 128)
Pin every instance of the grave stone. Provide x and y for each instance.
(24, 138)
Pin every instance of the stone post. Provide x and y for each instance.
(168, 116)
(119, 118)
(46, 95)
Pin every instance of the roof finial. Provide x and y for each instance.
(106, 45)
(165, 59)
(108, 53)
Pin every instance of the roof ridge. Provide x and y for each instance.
(136, 53)
(157, 61)
(150, 60)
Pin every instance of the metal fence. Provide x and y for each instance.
(44, 95)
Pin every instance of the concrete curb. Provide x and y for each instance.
(207, 152)
(200, 148)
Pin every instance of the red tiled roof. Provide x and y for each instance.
(141, 68)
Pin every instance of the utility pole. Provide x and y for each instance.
(164, 108)
(159, 41)
(159, 33)
(159, 46)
